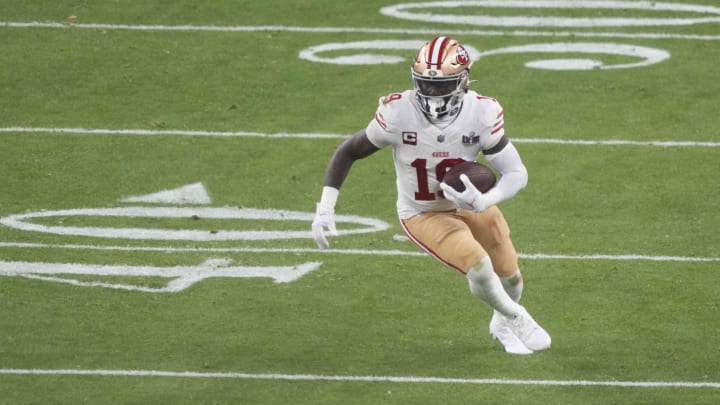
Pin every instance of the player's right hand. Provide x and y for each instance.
(469, 199)
(324, 219)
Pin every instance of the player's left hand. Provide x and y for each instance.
(470, 199)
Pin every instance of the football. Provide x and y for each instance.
(480, 175)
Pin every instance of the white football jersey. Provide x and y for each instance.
(423, 152)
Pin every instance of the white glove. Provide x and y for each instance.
(470, 199)
(325, 217)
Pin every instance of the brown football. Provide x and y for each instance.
(481, 176)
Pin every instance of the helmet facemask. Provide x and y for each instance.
(439, 97)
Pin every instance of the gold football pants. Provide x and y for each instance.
(461, 238)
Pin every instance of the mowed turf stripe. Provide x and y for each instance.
(365, 30)
(201, 133)
(350, 378)
(396, 252)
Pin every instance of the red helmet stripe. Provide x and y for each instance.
(435, 51)
(429, 52)
(443, 52)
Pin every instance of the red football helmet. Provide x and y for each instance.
(440, 75)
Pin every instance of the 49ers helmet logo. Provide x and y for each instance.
(462, 56)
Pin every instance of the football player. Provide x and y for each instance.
(437, 124)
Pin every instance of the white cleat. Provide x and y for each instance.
(500, 331)
(529, 332)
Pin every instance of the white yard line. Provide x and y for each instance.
(363, 30)
(150, 132)
(304, 135)
(351, 378)
(397, 252)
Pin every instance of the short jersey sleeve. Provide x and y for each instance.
(377, 132)
(492, 117)
(382, 130)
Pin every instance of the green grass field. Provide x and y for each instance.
(105, 104)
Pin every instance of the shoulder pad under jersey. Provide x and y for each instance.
(395, 108)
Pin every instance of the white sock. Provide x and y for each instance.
(513, 285)
(486, 285)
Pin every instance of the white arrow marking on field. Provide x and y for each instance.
(183, 276)
(190, 194)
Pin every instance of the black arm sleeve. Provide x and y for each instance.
(356, 147)
(502, 143)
